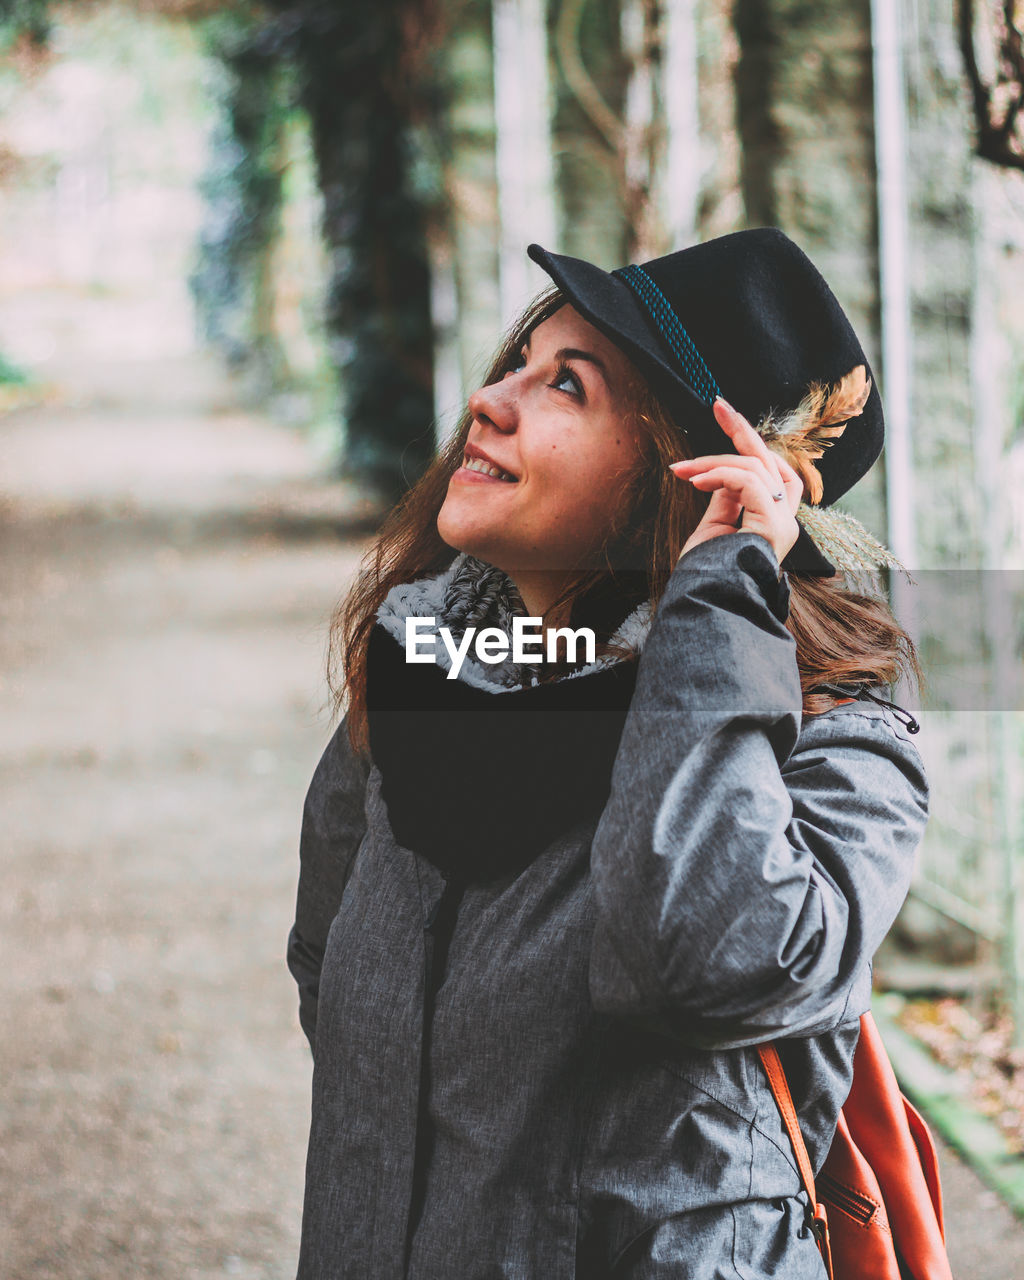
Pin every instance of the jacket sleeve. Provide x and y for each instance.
(333, 825)
(745, 871)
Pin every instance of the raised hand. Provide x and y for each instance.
(744, 483)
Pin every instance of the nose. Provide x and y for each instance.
(495, 405)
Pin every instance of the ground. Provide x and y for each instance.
(169, 564)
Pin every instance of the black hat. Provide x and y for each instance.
(747, 316)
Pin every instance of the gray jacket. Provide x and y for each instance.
(596, 1109)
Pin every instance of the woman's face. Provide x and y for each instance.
(548, 456)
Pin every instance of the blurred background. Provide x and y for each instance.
(252, 258)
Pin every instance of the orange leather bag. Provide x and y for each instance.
(877, 1202)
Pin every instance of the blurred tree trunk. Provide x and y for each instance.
(470, 240)
(612, 130)
(645, 130)
(683, 159)
(25, 19)
(805, 115)
(589, 99)
(359, 80)
(719, 194)
(627, 142)
(526, 196)
(998, 97)
(943, 281)
(232, 283)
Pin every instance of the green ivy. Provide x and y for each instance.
(364, 107)
(24, 18)
(242, 190)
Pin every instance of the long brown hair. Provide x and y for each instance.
(841, 635)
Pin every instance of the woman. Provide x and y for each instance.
(547, 909)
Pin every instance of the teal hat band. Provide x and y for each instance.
(667, 324)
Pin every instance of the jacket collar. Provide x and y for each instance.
(472, 593)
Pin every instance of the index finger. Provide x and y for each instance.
(741, 433)
(750, 442)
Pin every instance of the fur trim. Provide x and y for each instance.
(487, 598)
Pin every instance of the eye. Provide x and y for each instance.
(566, 380)
(515, 363)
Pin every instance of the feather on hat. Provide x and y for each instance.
(801, 436)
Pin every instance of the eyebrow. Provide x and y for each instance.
(574, 353)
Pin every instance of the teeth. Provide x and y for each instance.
(478, 464)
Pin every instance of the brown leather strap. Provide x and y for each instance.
(780, 1088)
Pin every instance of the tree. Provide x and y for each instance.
(998, 101)
(25, 19)
(358, 76)
(242, 188)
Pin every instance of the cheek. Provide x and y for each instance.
(606, 471)
(592, 484)
(614, 453)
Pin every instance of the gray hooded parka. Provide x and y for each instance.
(595, 1108)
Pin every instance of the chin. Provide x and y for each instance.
(480, 543)
(460, 535)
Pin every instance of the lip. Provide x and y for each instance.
(474, 451)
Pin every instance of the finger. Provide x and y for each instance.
(738, 428)
(750, 507)
(748, 488)
(692, 466)
(707, 460)
(794, 490)
(748, 442)
(793, 482)
(742, 434)
(725, 508)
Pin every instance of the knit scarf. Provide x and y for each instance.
(482, 773)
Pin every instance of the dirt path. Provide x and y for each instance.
(167, 578)
(167, 575)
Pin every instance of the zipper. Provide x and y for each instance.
(437, 935)
(849, 1201)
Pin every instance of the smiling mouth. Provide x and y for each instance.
(486, 469)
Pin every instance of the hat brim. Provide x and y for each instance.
(805, 557)
(604, 301)
(610, 306)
